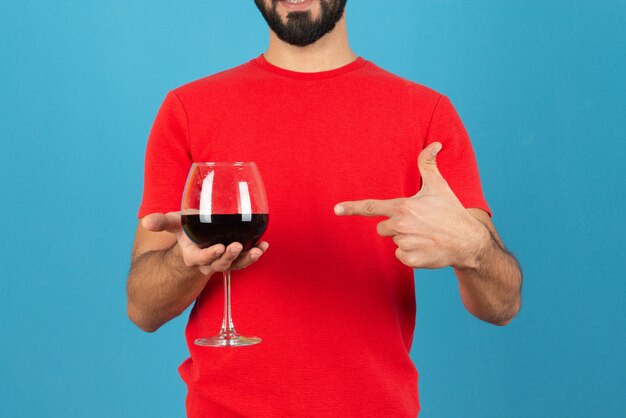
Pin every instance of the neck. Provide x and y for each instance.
(330, 52)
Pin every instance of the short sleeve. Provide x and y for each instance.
(456, 160)
(167, 159)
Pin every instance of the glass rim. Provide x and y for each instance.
(224, 163)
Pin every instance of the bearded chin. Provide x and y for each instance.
(300, 29)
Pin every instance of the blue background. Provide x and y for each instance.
(540, 86)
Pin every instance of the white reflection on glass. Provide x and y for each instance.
(206, 195)
(245, 205)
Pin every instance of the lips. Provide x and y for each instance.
(293, 5)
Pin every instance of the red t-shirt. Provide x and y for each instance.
(334, 307)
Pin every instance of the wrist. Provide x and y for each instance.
(475, 245)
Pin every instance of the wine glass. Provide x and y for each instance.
(225, 202)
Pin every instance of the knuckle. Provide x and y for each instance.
(231, 255)
(427, 158)
(235, 250)
(204, 258)
(402, 242)
(404, 208)
(413, 261)
(254, 256)
(401, 226)
(368, 207)
(407, 258)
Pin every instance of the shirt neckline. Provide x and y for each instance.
(320, 75)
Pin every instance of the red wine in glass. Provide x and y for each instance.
(225, 202)
(225, 229)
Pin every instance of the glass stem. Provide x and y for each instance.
(227, 324)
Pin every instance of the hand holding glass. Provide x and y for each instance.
(225, 203)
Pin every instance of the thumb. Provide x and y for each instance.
(158, 222)
(427, 164)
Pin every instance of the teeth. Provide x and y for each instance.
(295, 1)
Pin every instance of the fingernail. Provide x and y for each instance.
(219, 251)
(436, 148)
(339, 210)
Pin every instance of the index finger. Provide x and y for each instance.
(368, 207)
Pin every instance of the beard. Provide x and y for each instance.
(301, 29)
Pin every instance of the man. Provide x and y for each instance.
(333, 299)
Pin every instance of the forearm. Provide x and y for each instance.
(490, 285)
(160, 287)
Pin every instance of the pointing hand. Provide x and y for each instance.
(431, 229)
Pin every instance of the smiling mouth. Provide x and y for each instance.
(296, 4)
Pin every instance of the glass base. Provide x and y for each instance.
(227, 340)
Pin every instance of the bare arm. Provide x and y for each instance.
(168, 271)
(490, 282)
